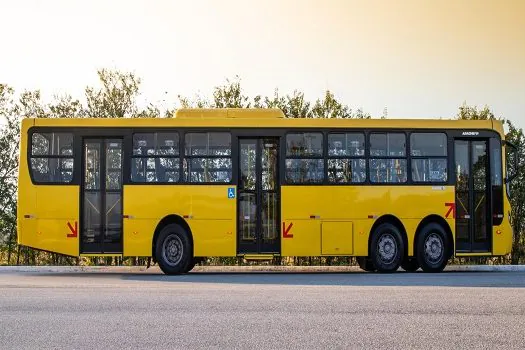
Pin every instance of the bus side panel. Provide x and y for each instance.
(208, 211)
(57, 211)
(503, 234)
(26, 210)
(361, 205)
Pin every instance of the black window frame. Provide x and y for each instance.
(446, 157)
(185, 157)
(285, 157)
(59, 157)
(346, 157)
(370, 157)
(133, 156)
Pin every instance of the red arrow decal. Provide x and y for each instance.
(451, 209)
(286, 230)
(74, 231)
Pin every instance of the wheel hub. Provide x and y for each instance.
(387, 248)
(434, 249)
(172, 250)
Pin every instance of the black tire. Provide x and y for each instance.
(195, 261)
(190, 266)
(386, 248)
(432, 248)
(173, 250)
(365, 264)
(410, 264)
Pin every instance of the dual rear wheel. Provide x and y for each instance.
(387, 250)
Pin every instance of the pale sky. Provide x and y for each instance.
(417, 58)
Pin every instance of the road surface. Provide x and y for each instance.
(262, 310)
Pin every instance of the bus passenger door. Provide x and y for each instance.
(101, 200)
(258, 196)
(473, 196)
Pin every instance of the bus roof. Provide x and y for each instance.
(262, 118)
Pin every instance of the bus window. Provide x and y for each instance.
(155, 157)
(304, 158)
(386, 164)
(429, 157)
(52, 157)
(346, 163)
(207, 157)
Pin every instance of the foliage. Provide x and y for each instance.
(294, 105)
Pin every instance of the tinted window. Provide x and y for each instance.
(156, 144)
(388, 170)
(387, 145)
(207, 157)
(304, 144)
(429, 157)
(346, 170)
(429, 170)
(428, 144)
(208, 144)
(350, 144)
(304, 170)
(155, 157)
(52, 157)
(304, 153)
(51, 144)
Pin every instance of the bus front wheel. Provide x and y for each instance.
(431, 248)
(173, 250)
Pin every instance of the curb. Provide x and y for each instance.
(234, 269)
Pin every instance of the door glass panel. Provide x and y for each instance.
(92, 217)
(479, 175)
(247, 166)
(92, 166)
(462, 168)
(269, 216)
(269, 164)
(92, 223)
(113, 223)
(113, 165)
(247, 216)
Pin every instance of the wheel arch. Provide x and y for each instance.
(171, 219)
(436, 219)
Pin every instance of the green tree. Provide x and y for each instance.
(330, 107)
(9, 143)
(65, 106)
(517, 193)
(116, 98)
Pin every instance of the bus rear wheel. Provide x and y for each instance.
(173, 250)
(431, 248)
(386, 248)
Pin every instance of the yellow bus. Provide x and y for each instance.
(250, 183)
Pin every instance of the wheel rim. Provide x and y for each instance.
(172, 250)
(387, 248)
(434, 249)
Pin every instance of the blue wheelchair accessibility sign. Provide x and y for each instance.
(231, 192)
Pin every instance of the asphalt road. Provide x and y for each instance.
(262, 310)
